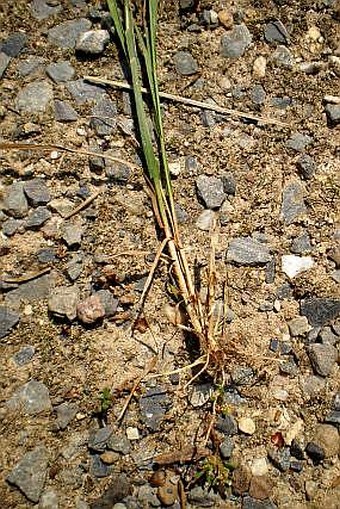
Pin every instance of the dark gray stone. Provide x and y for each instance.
(30, 65)
(4, 62)
(253, 503)
(275, 32)
(15, 202)
(319, 311)
(181, 214)
(74, 267)
(36, 289)
(60, 71)
(12, 226)
(282, 57)
(306, 166)
(34, 97)
(118, 490)
(24, 355)
(98, 468)
(38, 217)
(108, 301)
(66, 412)
(93, 42)
(298, 142)
(296, 450)
(33, 398)
(99, 438)
(289, 367)
(226, 448)
(191, 164)
(235, 43)
(66, 34)
(333, 113)
(242, 375)
(37, 192)
(301, 244)
(46, 255)
(208, 118)
(333, 418)
(118, 443)
(14, 44)
(210, 190)
(323, 358)
(104, 115)
(63, 112)
(281, 102)
(199, 497)
(227, 425)
(315, 452)
(258, 95)
(229, 183)
(63, 302)
(29, 475)
(293, 205)
(41, 9)
(8, 320)
(336, 402)
(83, 92)
(280, 458)
(154, 405)
(117, 173)
(185, 63)
(247, 251)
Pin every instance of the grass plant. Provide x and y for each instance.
(135, 25)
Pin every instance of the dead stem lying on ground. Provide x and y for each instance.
(138, 45)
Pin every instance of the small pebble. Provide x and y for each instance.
(247, 425)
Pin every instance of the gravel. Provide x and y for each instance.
(32, 398)
(83, 92)
(35, 97)
(66, 34)
(63, 302)
(185, 64)
(4, 62)
(104, 115)
(205, 220)
(93, 42)
(210, 190)
(24, 356)
(14, 44)
(236, 42)
(247, 251)
(276, 32)
(306, 166)
(323, 358)
(60, 72)
(63, 112)
(320, 311)
(293, 205)
(29, 475)
(333, 113)
(8, 320)
(15, 203)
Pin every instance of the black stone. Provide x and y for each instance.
(319, 311)
(296, 450)
(315, 452)
(14, 44)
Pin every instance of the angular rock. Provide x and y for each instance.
(41, 9)
(247, 251)
(227, 425)
(298, 326)
(280, 458)
(333, 114)
(327, 437)
(93, 42)
(293, 265)
(104, 115)
(118, 443)
(14, 44)
(252, 503)
(154, 405)
(328, 337)
(63, 112)
(34, 97)
(15, 202)
(241, 480)
(298, 142)
(293, 205)
(60, 71)
(301, 244)
(33, 398)
(74, 267)
(210, 190)
(118, 489)
(29, 475)
(260, 487)
(275, 32)
(24, 355)
(235, 43)
(226, 448)
(49, 500)
(83, 92)
(90, 310)
(31, 291)
(258, 95)
(98, 468)
(4, 62)
(31, 65)
(72, 234)
(206, 220)
(306, 166)
(12, 226)
(319, 311)
(8, 320)
(64, 301)
(66, 412)
(282, 57)
(185, 64)
(66, 34)
(108, 301)
(323, 358)
(200, 497)
(315, 452)
(38, 217)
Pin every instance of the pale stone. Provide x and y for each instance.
(293, 265)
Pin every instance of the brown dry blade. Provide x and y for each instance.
(45, 146)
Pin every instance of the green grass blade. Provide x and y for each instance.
(117, 20)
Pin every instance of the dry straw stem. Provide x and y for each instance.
(191, 102)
